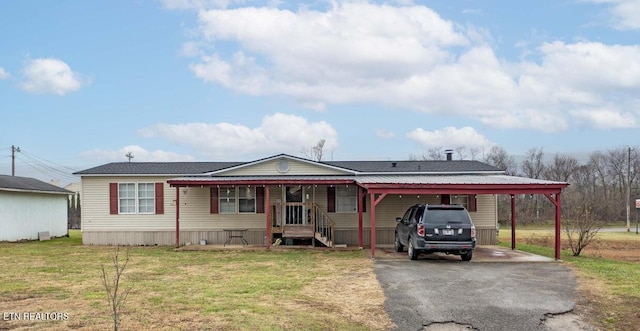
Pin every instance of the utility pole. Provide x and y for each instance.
(629, 189)
(14, 149)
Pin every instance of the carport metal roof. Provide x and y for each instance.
(380, 185)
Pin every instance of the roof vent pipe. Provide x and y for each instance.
(449, 153)
(394, 164)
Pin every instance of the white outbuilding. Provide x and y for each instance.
(31, 209)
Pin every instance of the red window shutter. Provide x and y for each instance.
(471, 202)
(445, 199)
(260, 200)
(214, 201)
(331, 199)
(113, 198)
(159, 198)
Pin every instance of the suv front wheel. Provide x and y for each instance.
(413, 253)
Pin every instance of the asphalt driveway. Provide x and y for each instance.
(442, 294)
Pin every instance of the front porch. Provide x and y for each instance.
(294, 221)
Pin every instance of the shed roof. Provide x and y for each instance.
(26, 184)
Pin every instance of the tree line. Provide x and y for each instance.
(598, 184)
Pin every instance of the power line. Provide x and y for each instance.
(43, 167)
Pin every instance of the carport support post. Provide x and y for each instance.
(267, 212)
(558, 209)
(360, 207)
(513, 221)
(177, 216)
(373, 226)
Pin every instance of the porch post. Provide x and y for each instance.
(360, 207)
(513, 221)
(177, 216)
(267, 209)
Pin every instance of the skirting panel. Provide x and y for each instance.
(167, 238)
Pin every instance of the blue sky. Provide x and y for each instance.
(84, 82)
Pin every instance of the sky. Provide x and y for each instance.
(83, 83)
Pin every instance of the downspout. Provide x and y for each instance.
(177, 216)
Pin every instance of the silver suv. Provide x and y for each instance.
(436, 228)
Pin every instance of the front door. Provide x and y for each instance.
(293, 206)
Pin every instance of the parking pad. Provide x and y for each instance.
(484, 253)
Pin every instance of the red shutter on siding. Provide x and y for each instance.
(260, 200)
(471, 202)
(214, 201)
(331, 199)
(445, 199)
(159, 198)
(113, 198)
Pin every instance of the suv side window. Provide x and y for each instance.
(418, 214)
(406, 219)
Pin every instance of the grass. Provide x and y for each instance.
(609, 282)
(228, 289)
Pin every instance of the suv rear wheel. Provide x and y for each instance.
(413, 253)
(397, 245)
(467, 256)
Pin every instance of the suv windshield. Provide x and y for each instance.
(447, 216)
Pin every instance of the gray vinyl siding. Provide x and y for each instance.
(196, 222)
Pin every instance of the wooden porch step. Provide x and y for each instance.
(298, 232)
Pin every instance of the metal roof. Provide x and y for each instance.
(26, 184)
(453, 179)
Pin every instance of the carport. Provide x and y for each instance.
(378, 187)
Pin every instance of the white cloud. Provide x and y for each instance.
(605, 119)
(278, 133)
(449, 137)
(50, 76)
(624, 13)
(139, 155)
(3, 74)
(408, 57)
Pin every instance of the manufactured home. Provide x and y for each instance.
(286, 200)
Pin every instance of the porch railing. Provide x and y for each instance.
(299, 215)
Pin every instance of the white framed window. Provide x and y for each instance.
(247, 200)
(346, 199)
(460, 199)
(136, 198)
(227, 200)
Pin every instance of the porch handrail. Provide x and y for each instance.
(322, 223)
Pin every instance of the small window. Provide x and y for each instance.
(346, 199)
(227, 200)
(461, 199)
(247, 200)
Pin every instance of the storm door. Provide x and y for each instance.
(294, 205)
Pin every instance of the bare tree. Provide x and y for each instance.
(435, 153)
(561, 168)
(116, 294)
(533, 164)
(315, 152)
(498, 157)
